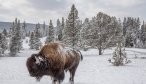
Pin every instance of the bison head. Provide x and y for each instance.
(36, 66)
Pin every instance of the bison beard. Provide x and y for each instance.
(53, 59)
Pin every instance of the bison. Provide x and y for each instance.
(54, 60)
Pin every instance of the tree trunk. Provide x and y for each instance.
(100, 51)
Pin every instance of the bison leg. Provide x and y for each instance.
(72, 74)
(58, 78)
(56, 81)
(53, 81)
(59, 82)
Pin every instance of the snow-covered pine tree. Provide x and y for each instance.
(78, 34)
(85, 34)
(32, 41)
(28, 34)
(65, 32)
(135, 31)
(23, 30)
(15, 44)
(119, 55)
(5, 32)
(3, 44)
(10, 31)
(131, 31)
(13, 41)
(37, 42)
(18, 34)
(44, 30)
(143, 35)
(51, 36)
(38, 30)
(104, 31)
(60, 37)
(58, 30)
(124, 27)
(60, 27)
(70, 32)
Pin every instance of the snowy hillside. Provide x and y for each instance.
(94, 69)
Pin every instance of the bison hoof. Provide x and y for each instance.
(71, 82)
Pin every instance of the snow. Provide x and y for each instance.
(94, 69)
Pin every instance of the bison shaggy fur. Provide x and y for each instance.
(53, 60)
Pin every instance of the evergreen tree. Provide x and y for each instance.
(71, 30)
(44, 30)
(59, 29)
(32, 41)
(119, 55)
(86, 34)
(143, 35)
(24, 32)
(3, 44)
(19, 38)
(38, 30)
(78, 34)
(15, 44)
(51, 35)
(131, 30)
(5, 32)
(37, 42)
(65, 32)
(13, 41)
(124, 26)
(104, 31)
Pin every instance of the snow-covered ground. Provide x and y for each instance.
(94, 69)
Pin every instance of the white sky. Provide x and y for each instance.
(35, 11)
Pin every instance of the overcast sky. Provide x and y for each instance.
(34, 11)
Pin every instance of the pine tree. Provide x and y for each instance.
(13, 46)
(143, 35)
(5, 32)
(24, 32)
(44, 30)
(60, 36)
(104, 31)
(38, 30)
(65, 32)
(78, 34)
(3, 44)
(124, 26)
(86, 34)
(37, 42)
(71, 30)
(19, 38)
(32, 41)
(131, 30)
(59, 29)
(15, 39)
(119, 55)
(51, 35)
